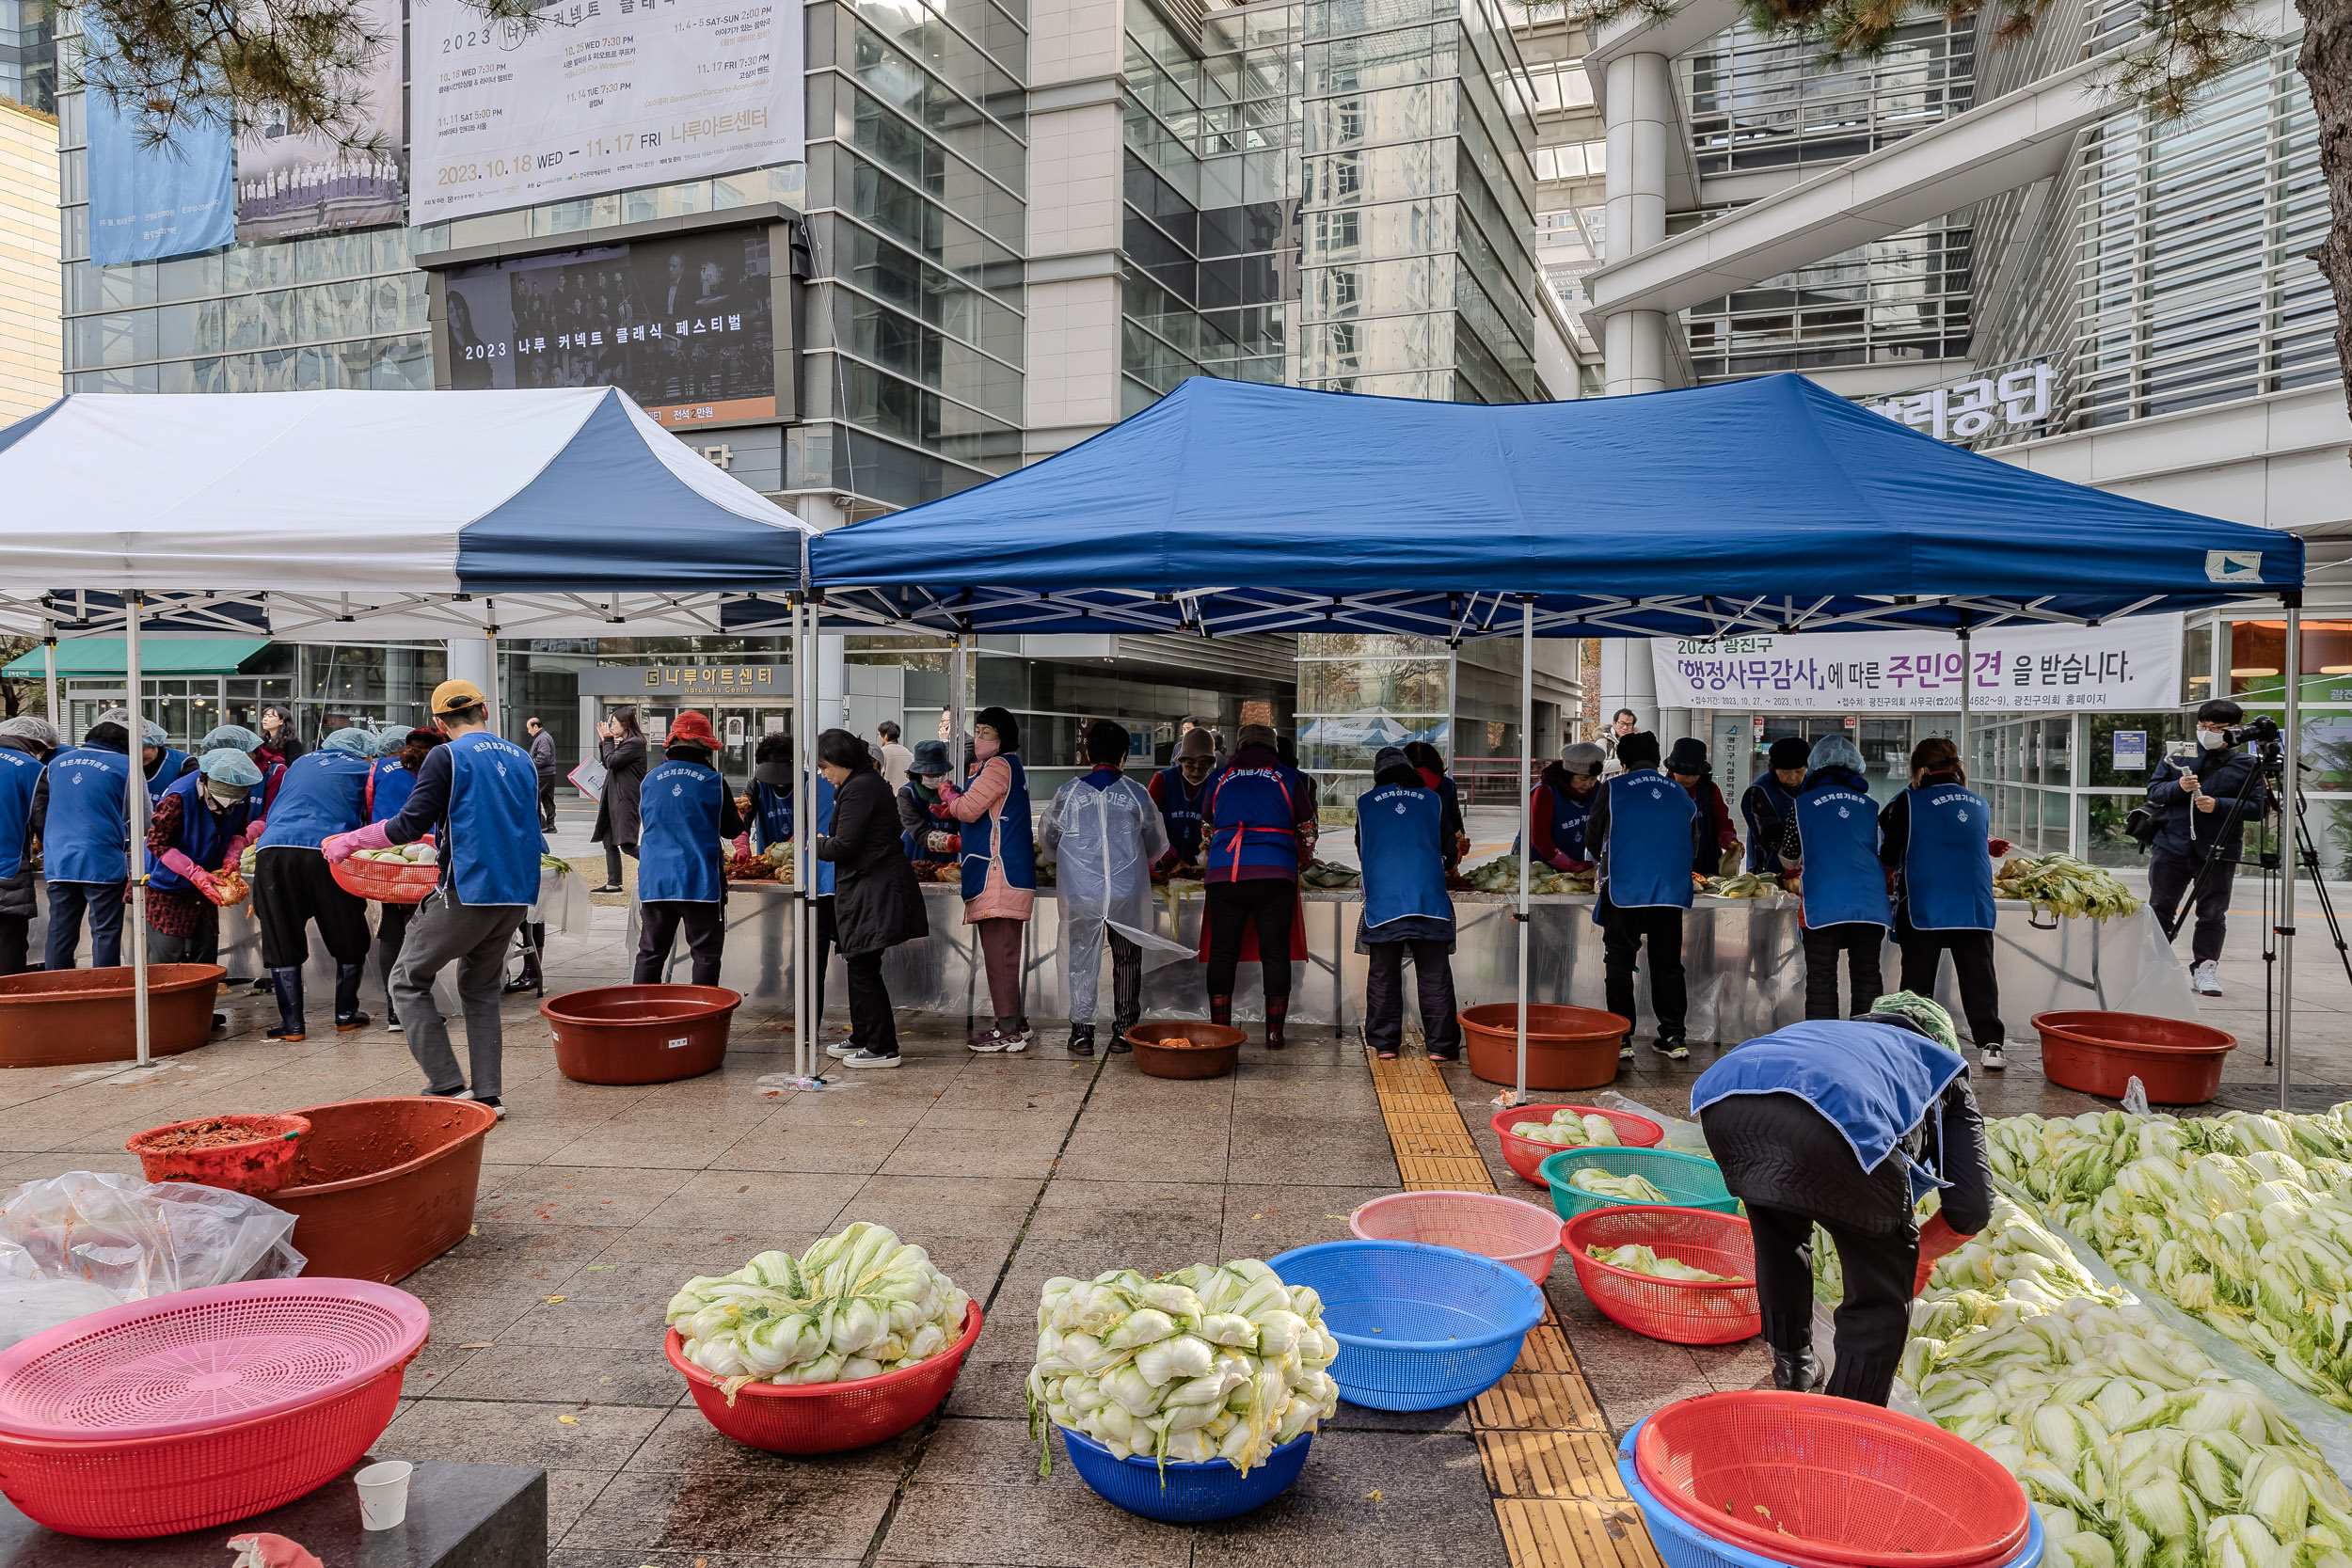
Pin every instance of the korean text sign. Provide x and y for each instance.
(2126, 664)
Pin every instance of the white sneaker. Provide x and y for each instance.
(1994, 1058)
(2205, 979)
(868, 1058)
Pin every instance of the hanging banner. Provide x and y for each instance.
(149, 202)
(603, 95)
(288, 186)
(2133, 663)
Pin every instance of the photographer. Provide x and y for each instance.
(2203, 812)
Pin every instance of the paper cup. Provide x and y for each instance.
(383, 1494)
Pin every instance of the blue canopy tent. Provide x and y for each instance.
(1765, 506)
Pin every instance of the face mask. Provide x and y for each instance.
(984, 745)
(2211, 741)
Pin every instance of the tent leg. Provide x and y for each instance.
(803, 838)
(49, 674)
(134, 795)
(2291, 809)
(1527, 811)
(1967, 684)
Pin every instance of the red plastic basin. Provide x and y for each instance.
(382, 1187)
(2177, 1062)
(259, 1166)
(1525, 1154)
(1567, 1048)
(62, 1017)
(640, 1034)
(828, 1417)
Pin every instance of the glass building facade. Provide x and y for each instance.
(28, 53)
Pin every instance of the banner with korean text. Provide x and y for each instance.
(2125, 665)
(597, 96)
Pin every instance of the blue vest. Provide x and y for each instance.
(771, 823)
(1764, 849)
(20, 775)
(86, 836)
(941, 821)
(1843, 882)
(168, 769)
(393, 783)
(1180, 812)
(1647, 864)
(1017, 850)
(677, 835)
(1569, 813)
(1252, 821)
(203, 837)
(1948, 863)
(1872, 1081)
(323, 793)
(1403, 866)
(492, 848)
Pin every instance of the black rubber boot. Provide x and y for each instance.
(1799, 1374)
(1119, 1034)
(1277, 1010)
(347, 1014)
(528, 979)
(1221, 1009)
(1082, 1039)
(287, 983)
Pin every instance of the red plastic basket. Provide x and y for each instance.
(387, 883)
(828, 1417)
(202, 1407)
(1830, 1483)
(259, 1166)
(1681, 1312)
(1525, 1154)
(1503, 1228)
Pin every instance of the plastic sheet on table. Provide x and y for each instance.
(564, 901)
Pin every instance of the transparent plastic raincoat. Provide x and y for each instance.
(1104, 842)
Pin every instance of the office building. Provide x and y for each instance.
(29, 338)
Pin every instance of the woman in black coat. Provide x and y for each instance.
(877, 903)
(621, 747)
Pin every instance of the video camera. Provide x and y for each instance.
(2259, 728)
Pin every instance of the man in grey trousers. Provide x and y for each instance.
(480, 795)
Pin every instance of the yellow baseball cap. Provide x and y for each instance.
(456, 696)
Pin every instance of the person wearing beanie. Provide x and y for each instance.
(1181, 790)
(1768, 804)
(323, 793)
(1830, 844)
(196, 832)
(1259, 824)
(1687, 765)
(999, 871)
(927, 831)
(25, 744)
(1104, 834)
(389, 784)
(1647, 834)
(1936, 837)
(1401, 844)
(2203, 806)
(1563, 803)
(81, 817)
(685, 815)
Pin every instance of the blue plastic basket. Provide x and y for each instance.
(1185, 1493)
(1683, 1545)
(1688, 1180)
(1419, 1327)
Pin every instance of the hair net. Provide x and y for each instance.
(41, 732)
(1926, 1014)
(229, 766)
(1836, 750)
(353, 742)
(230, 735)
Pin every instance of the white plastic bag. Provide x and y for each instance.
(1683, 1137)
(129, 1240)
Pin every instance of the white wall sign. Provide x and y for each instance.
(604, 95)
(2019, 399)
(2126, 664)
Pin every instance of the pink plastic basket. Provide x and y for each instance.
(1511, 1232)
(202, 1406)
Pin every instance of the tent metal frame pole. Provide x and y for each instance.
(1527, 812)
(134, 793)
(49, 673)
(804, 871)
(960, 671)
(2291, 807)
(1967, 684)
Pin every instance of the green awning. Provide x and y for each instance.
(82, 658)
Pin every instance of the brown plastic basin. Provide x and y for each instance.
(1213, 1050)
(62, 1017)
(1567, 1048)
(2177, 1062)
(382, 1187)
(640, 1034)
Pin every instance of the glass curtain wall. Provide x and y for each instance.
(1360, 692)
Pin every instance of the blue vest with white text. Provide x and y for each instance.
(323, 793)
(1016, 853)
(1648, 860)
(494, 843)
(1569, 813)
(20, 775)
(677, 848)
(1404, 867)
(167, 770)
(1873, 1082)
(203, 837)
(1948, 863)
(772, 822)
(86, 836)
(1252, 821)
(1843, 883)
(1763, 844)
(941, 821)
(393, 784)
(1180, 806)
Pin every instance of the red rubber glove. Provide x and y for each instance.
(339, 848)
(195, 875)
(1937, 1240)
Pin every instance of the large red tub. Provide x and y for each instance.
(654, 1034)
(1567, 1048)
(382, 1187)
(67, 1016)
(2177, 1062)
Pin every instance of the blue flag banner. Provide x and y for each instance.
(149, 202)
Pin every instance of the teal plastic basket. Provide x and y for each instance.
(1688, 1180)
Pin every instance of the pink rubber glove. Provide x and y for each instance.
(742, 844)
(197, 878)
(234, 854)
(340, 848)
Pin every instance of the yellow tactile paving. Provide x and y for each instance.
(1542, 1440)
